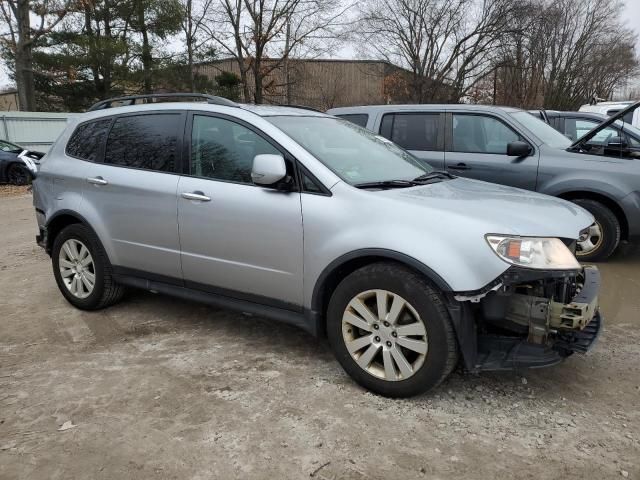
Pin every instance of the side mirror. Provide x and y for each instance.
(617, 142)
(518, 149)
(268, 170)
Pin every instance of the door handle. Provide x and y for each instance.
(97, 181)
(459, 166)
(198, 196)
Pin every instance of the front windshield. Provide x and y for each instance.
(9, 147)
(353, 153)
(542, 130)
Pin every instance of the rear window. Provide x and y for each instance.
(87, 140)
(359, 119)
(149, 142)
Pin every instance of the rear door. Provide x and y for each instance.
(238, 239)
(476, 147)
(133, 192)
(422, 133)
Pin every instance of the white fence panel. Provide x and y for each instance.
(32, 130)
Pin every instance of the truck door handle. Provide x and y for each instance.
(198, 196)
(97, 181)
(459, 166)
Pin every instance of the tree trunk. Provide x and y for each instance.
(24, 59)
(147, 59)
(190, 46)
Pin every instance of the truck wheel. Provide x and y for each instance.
(390, 330)
(18, 174)
(604, 235)
(82, 270)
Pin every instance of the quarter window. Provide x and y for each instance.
(413, 131)
(224, 150)
(481, 134)
(149, 142)
(359, 119)
(88, 139)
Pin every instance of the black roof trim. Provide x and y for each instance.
(150, 98)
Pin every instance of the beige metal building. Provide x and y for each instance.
(324, 84)
(9, 101)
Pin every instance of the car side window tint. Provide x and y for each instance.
(149, 142)
(359, 119)
(224, 150)
(481, 134)
(413, 131)
(87, 140)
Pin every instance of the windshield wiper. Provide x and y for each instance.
(435, 174)
(388, 184)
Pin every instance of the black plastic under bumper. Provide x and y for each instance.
(509, 353)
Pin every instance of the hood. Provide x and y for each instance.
(495, 208)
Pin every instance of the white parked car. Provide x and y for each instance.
(611, 108)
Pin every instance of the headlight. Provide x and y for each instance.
(532, 252)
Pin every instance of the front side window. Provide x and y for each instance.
(148, 142)
(577, 128)
(224, 150)
(481, 134)
(353, 153)
(88, 139)
(413, 131)
(545, 132)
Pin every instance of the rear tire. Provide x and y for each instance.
(421, 331)
(18, 174)
(82, 270)
(604, 234)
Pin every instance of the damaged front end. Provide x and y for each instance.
(528, 318)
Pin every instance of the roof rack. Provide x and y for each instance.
(151, 98)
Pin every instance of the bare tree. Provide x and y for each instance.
(20, 37)
(261, 35)
(560, 53)
(447, 44)
(194, 27)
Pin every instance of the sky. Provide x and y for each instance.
(631, 14)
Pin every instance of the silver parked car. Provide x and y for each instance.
(309, 219)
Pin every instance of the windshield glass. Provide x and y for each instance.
(542, 130)
(354, 154)
(9, 147)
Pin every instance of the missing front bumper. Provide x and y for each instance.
(525, 323)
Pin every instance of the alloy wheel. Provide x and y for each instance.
(77, 269)
(384, 335)
(592, 241)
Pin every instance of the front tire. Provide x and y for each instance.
(82, 270)
(390, 330)
(604, 235)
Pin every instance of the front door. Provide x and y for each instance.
(237, 239)
(477, 148)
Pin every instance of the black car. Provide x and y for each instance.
(575, 125)
(17, 165)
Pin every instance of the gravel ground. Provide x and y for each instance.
(160, 388)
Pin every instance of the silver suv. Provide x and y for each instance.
(305, 218)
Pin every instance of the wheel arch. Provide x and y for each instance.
(59, 221)
(607, 201)
(344, 265)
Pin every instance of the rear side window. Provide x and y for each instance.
(359, 119)
(87, 140)
(413, 131)
(149, 142)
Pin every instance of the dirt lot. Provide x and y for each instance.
(161, 388)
